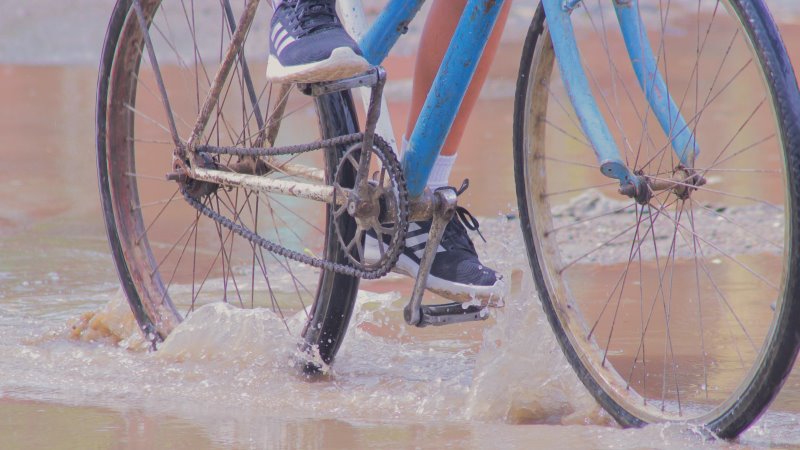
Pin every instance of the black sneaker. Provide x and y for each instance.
(308, 44)
(456, 273)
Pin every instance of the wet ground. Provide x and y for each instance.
(227, 380)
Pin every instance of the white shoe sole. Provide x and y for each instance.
(342, 63)
(450, 290)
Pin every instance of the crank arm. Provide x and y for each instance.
(444, 208)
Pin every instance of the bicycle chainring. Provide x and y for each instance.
(378, 208)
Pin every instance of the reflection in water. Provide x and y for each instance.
(93, 427)
(729, 334)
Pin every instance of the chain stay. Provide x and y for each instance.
(379, 144)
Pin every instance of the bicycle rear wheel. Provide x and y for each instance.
(170, 258)
(684, 309)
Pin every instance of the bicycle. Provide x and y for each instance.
(240, 218)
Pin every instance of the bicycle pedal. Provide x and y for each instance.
(450, 313)
(370, 78)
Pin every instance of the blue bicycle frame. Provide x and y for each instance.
(461, 59)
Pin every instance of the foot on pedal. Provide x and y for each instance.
(308, 44)
(456, 272)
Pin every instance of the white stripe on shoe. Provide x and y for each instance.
(418, 253)
(416, 240)
(416, 236)
(288, 40)
(280, 36)
(277, 28)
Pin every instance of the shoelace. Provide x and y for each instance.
(313, 15)
(455, 231)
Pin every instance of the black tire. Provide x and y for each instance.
(728, 413)
(147, 272)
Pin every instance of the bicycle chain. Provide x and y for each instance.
(396, 175)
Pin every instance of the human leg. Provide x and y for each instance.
(437, 32)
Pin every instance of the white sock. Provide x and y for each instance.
(440, 174)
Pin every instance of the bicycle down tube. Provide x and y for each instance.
(450, 84)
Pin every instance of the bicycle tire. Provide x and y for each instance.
(541, 118)
(123, 121)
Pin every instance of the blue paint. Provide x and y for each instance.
(653, 85)
(592, 122)
(388, 27)
(569, 5)
(460, 62)
(447, 92)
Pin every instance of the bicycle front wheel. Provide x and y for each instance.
(683, 309)
(171, 258)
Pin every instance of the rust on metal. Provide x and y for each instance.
(298, 170)
(222, 74)
(267, 137)
(421, 208)
(308, 191)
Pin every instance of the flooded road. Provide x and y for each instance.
(75, 373)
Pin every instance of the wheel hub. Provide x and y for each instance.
(683, 182)
(195, 188)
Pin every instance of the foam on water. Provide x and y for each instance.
(223, 358)
(224, 333)
(226, 353)
(508, 370)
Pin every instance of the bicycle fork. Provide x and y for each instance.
(645, 64)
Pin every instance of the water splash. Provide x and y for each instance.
(224, 333)
(113, 323)
(521, 375)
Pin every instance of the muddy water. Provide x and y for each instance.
(74, 373)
